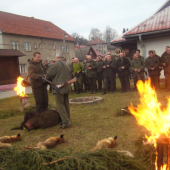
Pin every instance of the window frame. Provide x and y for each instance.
(67, 49)
(27, 46)
(23, 68)
(14, 45)
(62, 49)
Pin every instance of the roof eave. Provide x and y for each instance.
(145, 33)
(40, 36)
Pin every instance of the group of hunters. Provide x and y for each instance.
(107, 70)
(103, 71)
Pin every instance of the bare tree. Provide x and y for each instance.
(95, 33)
(79, 39)
(109, 34)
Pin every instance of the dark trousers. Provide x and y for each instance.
(167, 81)
(114, 82)
(154, 81)
(51, 89)
(99, 80)
(110, 81)
(63, 107)
(79, 84)
(41, 98)
(125, 83)
(136, 80)
(92, 83)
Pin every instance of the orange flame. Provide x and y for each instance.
(164, 167)
(19, 88)
(149, 113)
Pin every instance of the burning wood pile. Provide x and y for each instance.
(156, 120)
(20, 89)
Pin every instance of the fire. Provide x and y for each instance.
(19, 88)
(150, 114)
(164, 167)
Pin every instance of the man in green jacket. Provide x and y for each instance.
(137, 68)
(36, 71)
(166, 66)
(77, 72)
(99, 64)
(152, 64)
(60, 73)
(109, 74)
(123, 65)
(91, 68)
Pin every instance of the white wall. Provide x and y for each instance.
(157, 44)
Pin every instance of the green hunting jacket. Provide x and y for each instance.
(166, 60)
(99, 66)
(77, 67)
(36, 71)
(109, 71)
(123, 62)
(93, 71)
(60, 73)
(137, 64)
(151, 62)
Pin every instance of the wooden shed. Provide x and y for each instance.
(82, 52)
(9, 66)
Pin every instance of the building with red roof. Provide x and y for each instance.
(77, 46)
(98, 45)
(151, 34)
(28, 35)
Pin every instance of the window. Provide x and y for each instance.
(40, 45)
(62, 48)
(35, 45)
(49, 46)
(23, 68)
(27, 46)
(14, 45)
(67, 50)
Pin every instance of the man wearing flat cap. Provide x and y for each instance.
(60, 73)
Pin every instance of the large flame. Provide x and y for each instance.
(19, 88)
(151, 115)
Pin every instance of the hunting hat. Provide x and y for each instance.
(58, 55)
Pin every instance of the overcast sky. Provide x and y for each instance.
(80, 16)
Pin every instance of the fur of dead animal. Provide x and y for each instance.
(49, 143)
(6, 140)
(126, 153)
(34, 120)
(10, 139)
(4, 145)
(106, 143)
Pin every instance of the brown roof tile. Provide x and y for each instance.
(157, 22)
(96, 41)
(10, 53)
(119, 39)
(17, 24)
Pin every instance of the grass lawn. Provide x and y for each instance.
(89, 122)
